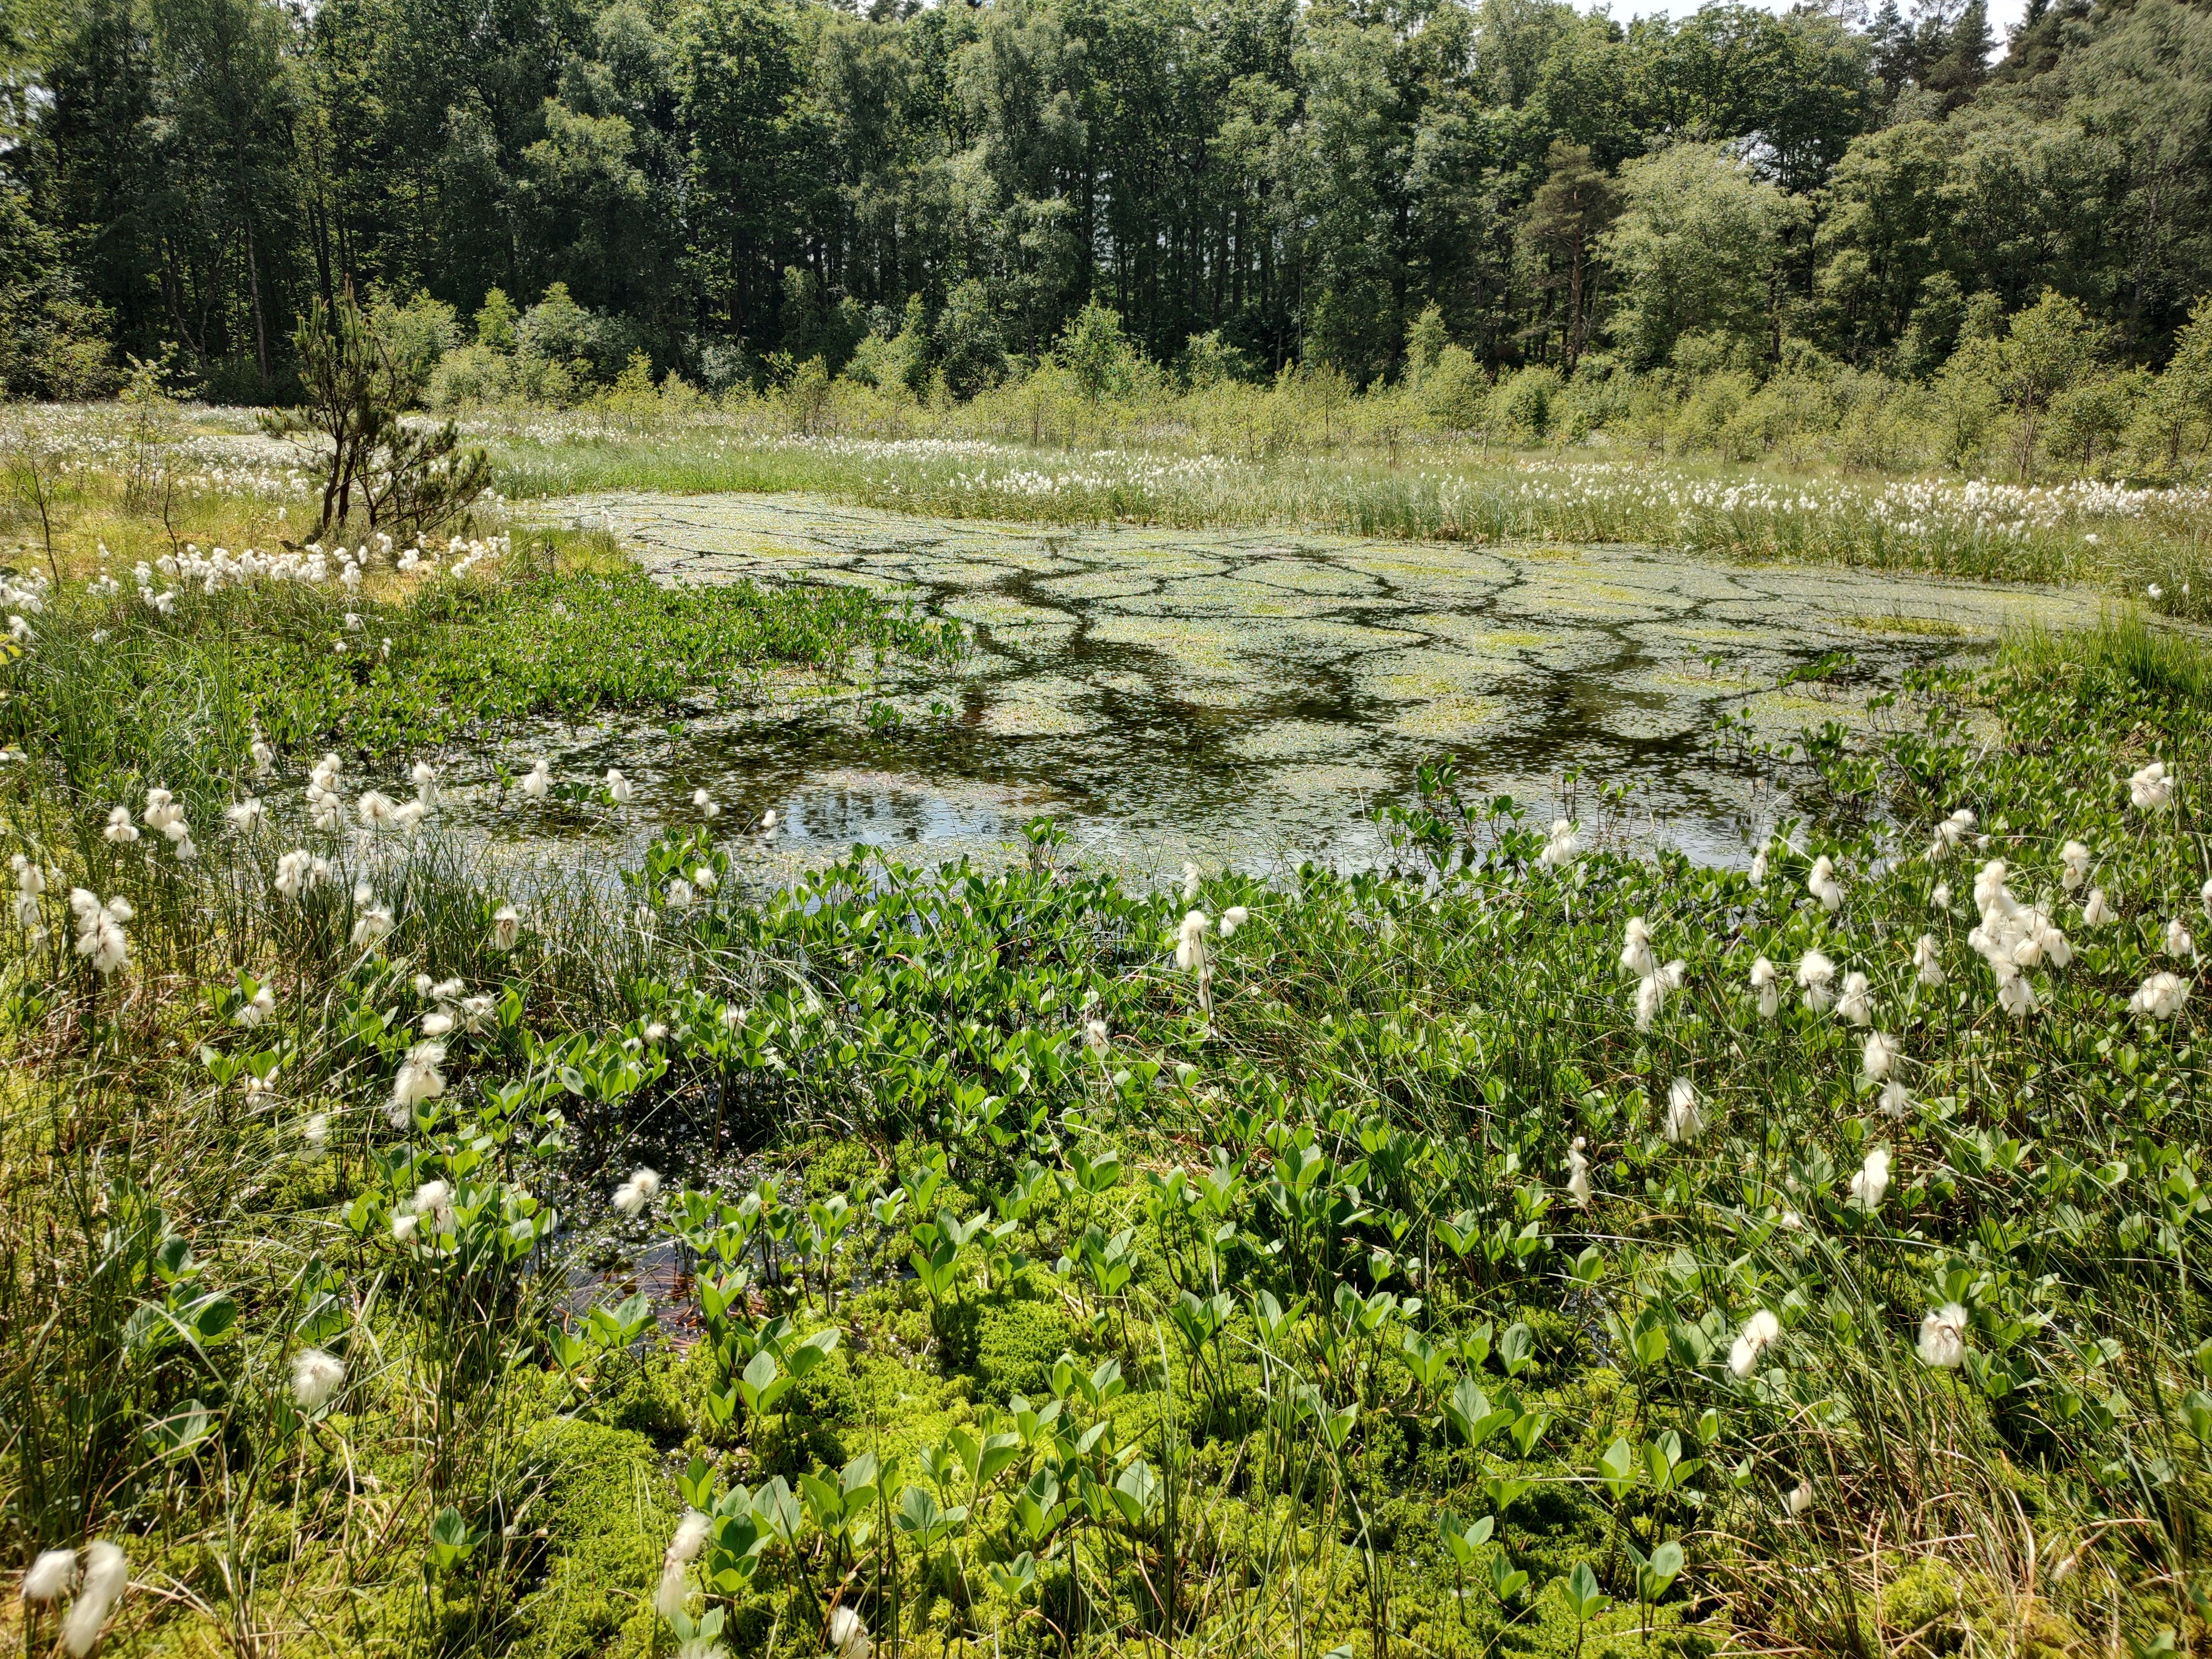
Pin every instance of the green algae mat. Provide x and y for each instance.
(1253, 697)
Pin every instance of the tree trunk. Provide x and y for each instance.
(260, 324)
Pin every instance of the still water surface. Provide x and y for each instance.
(1252, 697)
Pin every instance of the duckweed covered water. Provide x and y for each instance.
(1250, 698)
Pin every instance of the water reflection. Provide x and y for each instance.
(1251, 698)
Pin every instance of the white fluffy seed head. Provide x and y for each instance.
(684, 1548)
(1562, 847)
(1190, 939)
(48, 1578)
(690, 1537)
(1857, 1003)
(418, 1079)
(1636, 957)
(432, 1203)
(668, 1594)
(1872, 1180)
(291, 879)
(2017, 994)
(2074, 864)
(1683, 1119)
(315, 1377)
(848, 1634)
(99, 937)
(1761, 1332)
(2151, 789)
(2160, 997)
(634, 1193)
(1943, 1338)
(1649, 995)
(1822, 884)
(107, 1574)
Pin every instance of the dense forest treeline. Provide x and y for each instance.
(733, 186)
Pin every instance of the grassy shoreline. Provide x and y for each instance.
(2151, 544)
(2106, 536)
(2148, 543)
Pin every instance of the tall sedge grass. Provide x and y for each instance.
(2170, 666)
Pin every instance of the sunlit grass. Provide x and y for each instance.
(2131, 541)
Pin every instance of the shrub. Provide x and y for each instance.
(1455, 392)
(1103, 360)
(557, 330)
(470, 374)
(1523, 406)
(969, 349)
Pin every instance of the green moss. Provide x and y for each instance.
(1924, 1609)
(837, 1166)
(904, 1407)
(654, 1399)
(604, 1519)
(1016, 1343)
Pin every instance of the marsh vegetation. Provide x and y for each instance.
(1535, 1241)
(459, 1199)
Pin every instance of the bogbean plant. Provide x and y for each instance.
(1484, 1252)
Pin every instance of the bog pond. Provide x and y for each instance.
(1253, 697)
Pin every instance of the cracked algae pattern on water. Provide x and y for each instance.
(1256, 693)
